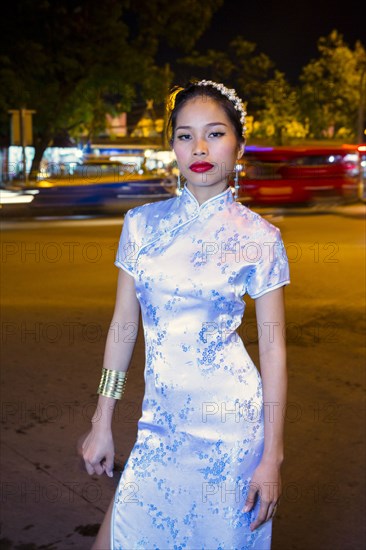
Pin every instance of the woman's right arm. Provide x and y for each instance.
(97, 448)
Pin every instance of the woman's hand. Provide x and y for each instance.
(266, 481)
(96, 448)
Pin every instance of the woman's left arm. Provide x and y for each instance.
(266, 480)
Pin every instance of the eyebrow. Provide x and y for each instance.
(209, 124)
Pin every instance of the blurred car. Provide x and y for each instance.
(15, 202)
(98, 187)
(305, 175)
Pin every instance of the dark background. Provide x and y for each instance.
(287, 31)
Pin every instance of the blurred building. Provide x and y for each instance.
(150, 125)
(126, 136)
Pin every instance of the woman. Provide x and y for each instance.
(204, 472)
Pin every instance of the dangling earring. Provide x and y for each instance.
(179, 184)
(236, 180)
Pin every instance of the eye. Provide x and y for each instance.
(217, 134)
(183, 137)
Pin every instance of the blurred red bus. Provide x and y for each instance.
(293, 175)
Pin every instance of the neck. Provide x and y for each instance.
(202, 194)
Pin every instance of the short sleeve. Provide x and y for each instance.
(271, 269)
(127, 251)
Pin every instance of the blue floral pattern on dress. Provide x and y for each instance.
(201, 432)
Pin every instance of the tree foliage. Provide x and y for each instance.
(333, 89)
(279, 118)
(74, 61)
(329, 101)
(239, 66)
(175, 24)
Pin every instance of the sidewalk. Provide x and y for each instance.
(47, 498)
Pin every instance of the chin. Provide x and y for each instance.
(207, 184)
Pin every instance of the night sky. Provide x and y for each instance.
(287, 31)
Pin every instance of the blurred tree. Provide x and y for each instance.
(212, 65)
(333, 91)
(239, 66)
(74, 61)
(175, 24)
(252, 72)
(280, 117)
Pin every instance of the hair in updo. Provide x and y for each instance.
(180, 96)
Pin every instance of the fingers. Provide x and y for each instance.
(95, 463)
(108, 465)
(261, 517)
(93, 466)
(89, 467)
(266, 481)
(266, 512)
(272, 510)
(250, 501)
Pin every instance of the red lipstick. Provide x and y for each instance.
(200, 167)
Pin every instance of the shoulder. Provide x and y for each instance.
(145, 221)
(152, 209)
(146, 213)
(254, 224)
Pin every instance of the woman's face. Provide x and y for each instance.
(205, 144)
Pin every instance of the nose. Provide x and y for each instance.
(200, 148)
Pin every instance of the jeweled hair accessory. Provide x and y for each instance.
(230, 93)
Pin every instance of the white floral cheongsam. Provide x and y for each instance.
(201, 432)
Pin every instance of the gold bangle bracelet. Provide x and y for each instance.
(112, 383)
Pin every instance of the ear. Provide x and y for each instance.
(241, 150)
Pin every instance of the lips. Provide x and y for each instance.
(200, 167)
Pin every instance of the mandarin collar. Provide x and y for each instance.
(180, 210)
(216, 203)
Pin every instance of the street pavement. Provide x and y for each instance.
(58, 290)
